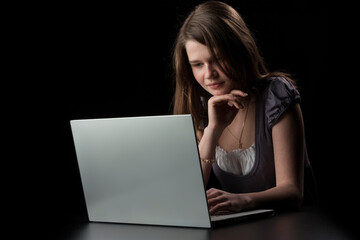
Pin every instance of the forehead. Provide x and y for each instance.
(197, 51)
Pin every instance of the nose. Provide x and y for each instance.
(210, 71)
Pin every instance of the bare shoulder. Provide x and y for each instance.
(292, 117)
(288, 135)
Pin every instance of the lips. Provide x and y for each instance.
(215, 85)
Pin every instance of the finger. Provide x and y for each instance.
(217, 200)
(213, 192)
(222, 99)
(235, 104)
(215, 197)
(224, 206)
(239, 93)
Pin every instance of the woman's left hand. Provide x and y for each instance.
(219, 200)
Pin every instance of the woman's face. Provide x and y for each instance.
(206, 72)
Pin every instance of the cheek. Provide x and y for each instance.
(198, 76)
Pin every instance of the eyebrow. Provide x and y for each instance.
(194, 61)
(197, 61)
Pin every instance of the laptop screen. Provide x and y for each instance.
(142, 170)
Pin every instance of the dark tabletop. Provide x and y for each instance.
(309, 223)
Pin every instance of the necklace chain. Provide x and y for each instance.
(242, 129)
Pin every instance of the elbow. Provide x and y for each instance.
(298, 201)
(295, 199)
(292, 198)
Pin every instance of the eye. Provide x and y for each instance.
(196, 65)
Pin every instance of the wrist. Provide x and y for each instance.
(209, 161)
(208, 143)
(214, 131)
(247, 201)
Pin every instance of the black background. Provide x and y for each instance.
(113, 60)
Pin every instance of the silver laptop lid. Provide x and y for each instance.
(141, 170)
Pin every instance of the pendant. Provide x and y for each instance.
(240, 145)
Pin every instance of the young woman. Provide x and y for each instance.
(248, 120)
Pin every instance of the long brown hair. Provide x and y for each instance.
(221, 28)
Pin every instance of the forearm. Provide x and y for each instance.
(207, 147)
(208, 143)
(283, 196)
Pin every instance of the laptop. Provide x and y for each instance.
(145, 170)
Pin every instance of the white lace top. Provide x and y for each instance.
(238, 161)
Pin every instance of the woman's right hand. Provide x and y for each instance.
(222, 109)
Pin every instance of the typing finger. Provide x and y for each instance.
(220, 207)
